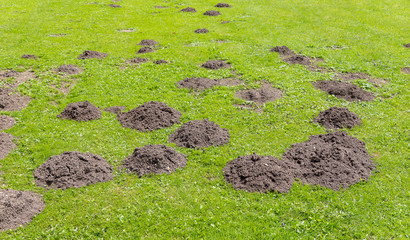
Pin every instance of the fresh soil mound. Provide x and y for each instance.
(29, 56)
(197, 83)
(18, 208)
(407, 45)
(6, 144)
(6, 122)
(266, 93)
(69, 69)
(115, 109)
(138, 60)
(160, 61)
(200, 134)
(10, 101)
(405, 70)
(145, 50)
(81, 112)
(282, 50)
(298, 59)
(149, 116)
(212, 13)
(347, 91)
(216, 64)
(201, 30)
(114, 6)
(254, 173)
(72, 169)
(337, 118)
(188, 9)
(9, 74)
(222, 5)
(332, 160)
(148, 42)
(154, 159)
(88, 54)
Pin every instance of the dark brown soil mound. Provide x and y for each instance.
(337, 118)
(80, 111)
(69, 69)
(114, 6)
(6, 144)
(138, 60)
(6, 122)
(332, 160)
(222, 5)
(72, 169)
(88, 54)
(266, 93)
(216, 64)
(200, 134)
(344, 90)
(10, 101)
(154, 159)
(298, 59)
(255, 173)
(149, 116)
(407, 45)
(212, 13)
(160, 61)
(9, 74)
(188, 9)
(29, 56)
(197, 83)
(282, 50)
(18, 208)
(405, 70)
(145, 50)
(115, 109)
(148, 42)
(201, 30)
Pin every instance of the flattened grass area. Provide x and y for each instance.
(351, 36)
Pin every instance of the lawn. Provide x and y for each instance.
(196, 202)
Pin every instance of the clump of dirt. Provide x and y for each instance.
(9, 74)
(29, 56)
(72, 169)
(254, 173)
(216, 64)
(347, 91)
(6, 144)
(298, 59)
(160, 61)
(148, 42)
(115, 109)
(407, 45)
(197, 83)
(69, 69)
(6, 122)
(212, 13)
(11, 101)
(337, 118)
(223, 5)
(282, 50)
(405, 70)
(114, 6)
(332, 160)
(201, 30)
(138, 60)
(154, 159)
(145, 50)
(18, 208)
(80, 111)
(291, 57)
(188, 9)
(88, 54)
(266, 93)
(149, 116)
(200, 134)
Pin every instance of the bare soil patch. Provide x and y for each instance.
(201, 30)
(88, 54)
(356, 76)
(266, 93)
(405, 70)
(197, 83)
(69, 69)
(137, 60)
(337, 118)
(29, 56)
(6, 144)
(216, 64)
(6, 122)
(347, 91)
(160, 61)
(80, 111)
(12, 101)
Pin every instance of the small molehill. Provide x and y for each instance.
(188, 9)
(149, 116)
(9, 74)
(223, 5)
(282, 50)
(115, 109)
(6, 144)
(145, 50)
(148, 42)
(18, 208)
(337, 118)
(69, 69)
(405, 70)
(114, 5)
(334, 160)
(73, 169)
(29, 56)
(88, 54)
(201, 30)
(154, 159)
(266, 93)
(212, 13)
(197, 83)
(138, 60)
(12, 101)
(160, 61)
(216, 64)
(347, 91)
(200, 134)
(254, 173)
(80, 111)
(6, 122)
(407, 45)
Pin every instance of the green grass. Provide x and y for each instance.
(196, 203)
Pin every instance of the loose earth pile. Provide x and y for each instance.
(188, 9)
(160, 61)
(347, 91)
(145, 50)
(6, 122)
(29, 56)
(201, 30)
(9, 74)
(10, 101)
(197, 83)
(212, 13)
(216, 64)
(88, 54)
(80, 111)
(222, 5)
(6, 144)
(148, 42)
(266, 93)
(138, 60)
(69, 69)
(337, 118)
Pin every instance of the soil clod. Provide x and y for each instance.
(188, 9)
(212, 13)
(201, 30)
(223, 5)
(266, 93)
(282, 50)
(216, 64)
(160, 61)
(145, 50)
(6, 144)
(6, 122)
(347, 91)
(115, 109)
(337, 118)
(80, 111)
(9, 74)
(88, 54)
(148, 42)
(407, 45)
(69, 69)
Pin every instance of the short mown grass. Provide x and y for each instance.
(195, 202)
